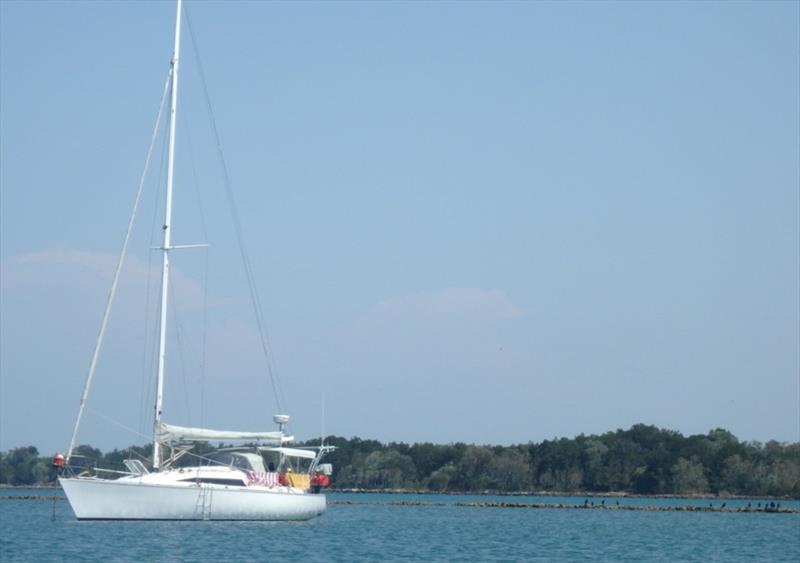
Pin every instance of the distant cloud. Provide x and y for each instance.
(90, 268)
(101, 263)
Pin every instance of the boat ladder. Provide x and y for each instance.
(202, 507)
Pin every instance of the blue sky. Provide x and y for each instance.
(481, 222)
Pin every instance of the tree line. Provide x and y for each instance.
(641, 460)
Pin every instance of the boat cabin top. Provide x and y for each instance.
(246, 461)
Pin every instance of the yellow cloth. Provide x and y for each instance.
(299, 480)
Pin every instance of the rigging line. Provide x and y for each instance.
(204, 341)
(204, 232)
(144, 387)
(238, 229)
(273, 377)
(181, 358)
(145, 342)
(183, 117)
(120, 262)
(117, 423)
(134, 453)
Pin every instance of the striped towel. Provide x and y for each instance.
(262, 479)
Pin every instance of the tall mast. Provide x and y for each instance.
(165, 248)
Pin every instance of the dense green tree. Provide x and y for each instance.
(595, 464)
(643, 459)
(6, 471)
(509, 471)
(737, 475)
(558, 465)
(21, 463)
(388, 469)
(440, 479)
(689, 477)
(86, 456)
(429, 457)
(472, 470)
(624, 456)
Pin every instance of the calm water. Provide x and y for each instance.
(378, 531)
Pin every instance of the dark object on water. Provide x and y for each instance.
(636, 507)
(32, 497)
(723, 504)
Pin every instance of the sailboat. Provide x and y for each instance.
(264, 480)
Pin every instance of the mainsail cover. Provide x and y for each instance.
(168, 433)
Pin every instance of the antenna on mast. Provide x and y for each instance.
(322, 423)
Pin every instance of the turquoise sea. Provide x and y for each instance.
(375, 529)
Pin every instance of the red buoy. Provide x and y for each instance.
(59, 461)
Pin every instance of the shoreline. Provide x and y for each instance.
(770, 508)
(585, 494)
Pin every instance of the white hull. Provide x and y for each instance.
(100, 499)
